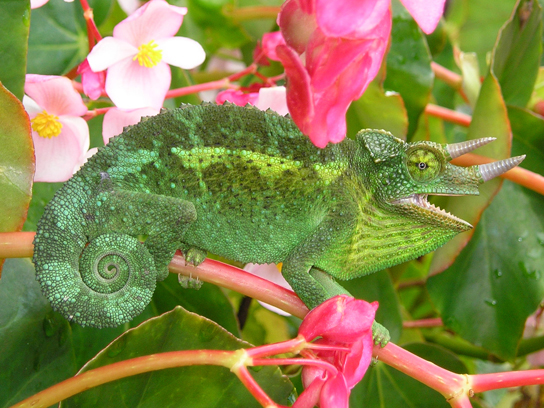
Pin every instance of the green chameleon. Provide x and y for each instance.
(249, 186)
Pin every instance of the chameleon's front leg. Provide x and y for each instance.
(313, 285)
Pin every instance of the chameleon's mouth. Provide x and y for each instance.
(420, 200)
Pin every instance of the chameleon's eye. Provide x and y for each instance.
(423, 164)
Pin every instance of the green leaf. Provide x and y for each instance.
(58, 41)
(14, 26)
(528, 130)
(16, 162)
(498, 279)
(195, 386)
(378, 110)
(378, 286)
(42, 193)
(35, 347)
(489, 119)
(409, 65)
(516, 57)
(383, 386)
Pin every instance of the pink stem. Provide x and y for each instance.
(187, 90)
(448, 115)
(289, 346)
(443, 381)
(462, 402)
(255, 389)
(486, 382)
(296, 361)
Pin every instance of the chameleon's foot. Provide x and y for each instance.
(188, 282)
(194, 256)
(380, 334)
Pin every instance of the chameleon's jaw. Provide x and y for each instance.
(419, 202)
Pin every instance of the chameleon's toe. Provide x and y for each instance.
(195, 256)
(380, 334)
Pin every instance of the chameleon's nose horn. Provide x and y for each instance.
(492, 170)
(459, 149)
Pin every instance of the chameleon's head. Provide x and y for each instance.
(404, 174)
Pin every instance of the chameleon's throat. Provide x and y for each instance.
(420, 200)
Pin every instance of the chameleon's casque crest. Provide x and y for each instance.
(246, 185)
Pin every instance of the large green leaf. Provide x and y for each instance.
(16, 162)
(14, 25)
(516, 57)
(378, 110)
(58, 36)
(409, 65)
(195, 386)
(383, 386)
(498, 279)
(528, 131)
(35, 345)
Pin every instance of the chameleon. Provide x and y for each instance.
(246, 185)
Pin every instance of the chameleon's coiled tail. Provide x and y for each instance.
(99, 280)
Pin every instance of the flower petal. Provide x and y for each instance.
(116, 119)
(109, 51)
(350, 18)
(427, 13)
(31, 107)
(55, 94)
(269, 43)
(84, 158)
(299, 96)
(57, 157)
(341, 319)
(181, 52)
(335, 393)
(358, 360)
(271, 273)
(297, 23)
(37, 3)
(236, 97)
(274, 98)
(154, 20)
(92, 82)
(131, 86)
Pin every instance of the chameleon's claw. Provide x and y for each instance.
(492, 170)
(380, 334)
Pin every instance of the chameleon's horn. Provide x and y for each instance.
(492, 170)
(459, 149)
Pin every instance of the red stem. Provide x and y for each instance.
(486, 382)
(448, 115)
(222, 83)
(255, 389)
(298, 361)
(289, 346)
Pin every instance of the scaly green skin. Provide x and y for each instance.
(246, 185)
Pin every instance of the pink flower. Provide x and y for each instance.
(267, 48)
(138, 54)
(343, 322)
(60, 135)
(116, 119)
(267, 98)
(344, 43)
(92, 82)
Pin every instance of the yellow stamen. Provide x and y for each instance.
(148, 55)
(46, 125)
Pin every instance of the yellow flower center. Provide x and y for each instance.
(148, 55)
(46, 125)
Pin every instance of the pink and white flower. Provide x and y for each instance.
(138, 54)
(60, 135)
